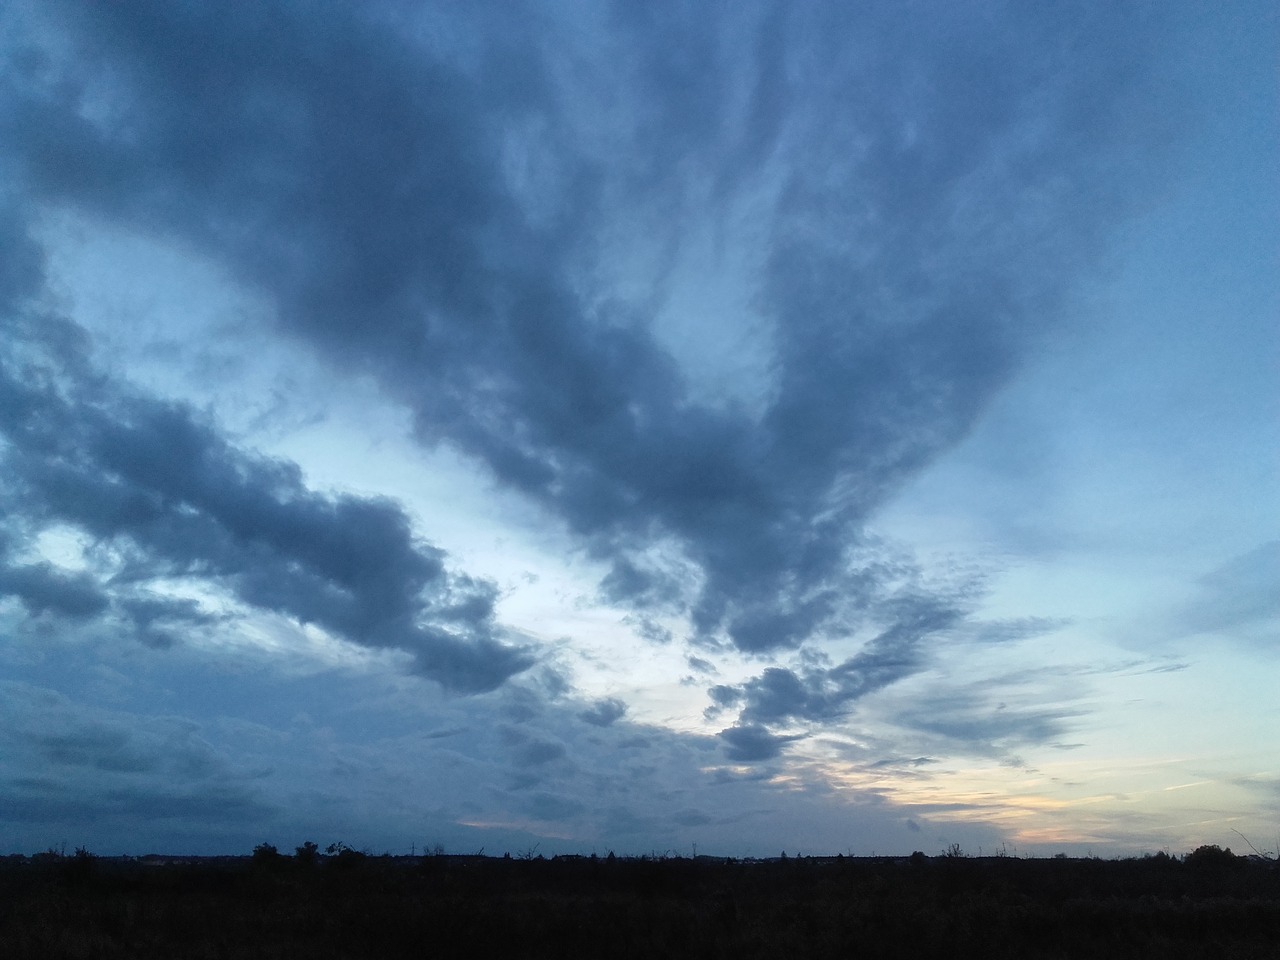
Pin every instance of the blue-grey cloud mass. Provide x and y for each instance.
(163, 495)
(703, 288)
(925, 215)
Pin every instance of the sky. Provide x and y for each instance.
(574, 427)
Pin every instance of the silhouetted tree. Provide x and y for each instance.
(1210, 856)
(344, 857)
(266, 855)
(308, 854)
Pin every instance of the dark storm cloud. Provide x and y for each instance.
(174, 498)
(41, 588)
(605, 712)
(747, 743)
(937, 178)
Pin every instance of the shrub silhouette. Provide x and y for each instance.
(265, 853)
(344, 857)
(307, 855)
(1210, 856)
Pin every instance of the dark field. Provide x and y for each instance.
(1208, 904)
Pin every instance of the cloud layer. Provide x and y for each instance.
(163, 498)
(436, 213)
(696, 293)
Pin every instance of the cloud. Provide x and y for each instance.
(820, 693)
(972, 718)
(528, 750)
(209, 808)
(100, 766)
(280, 756)
(894, 762)
(700, 664)
(174, 499)
(748, 743)
(605, 712)
(41, 588)
(778, 695)
(992, 632)
(547, 806)
(705, 288)
(1240, 597)
(156, 621)
(434, 217)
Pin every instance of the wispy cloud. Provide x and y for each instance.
(701, 290)
(1240, 598)
(425, 216)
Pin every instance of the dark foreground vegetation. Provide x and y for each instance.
(347, 904)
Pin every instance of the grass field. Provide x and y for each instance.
(1209, 904)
